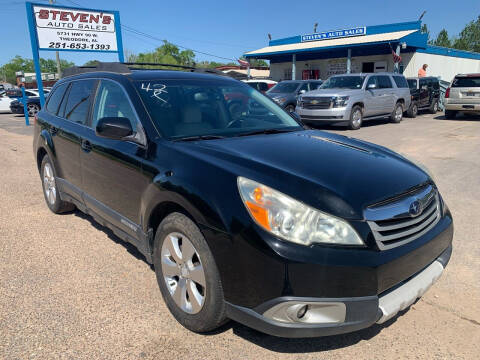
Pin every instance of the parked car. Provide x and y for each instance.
(261, 85)
(463, 95)
(33, 106)
(353, 98)
(5, 103)
(285, 93)
(291, 231)
(425, 93)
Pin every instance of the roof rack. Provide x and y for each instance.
(127, 67)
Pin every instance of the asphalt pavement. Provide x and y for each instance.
(70, 289)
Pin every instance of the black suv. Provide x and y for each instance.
(245, 214)
(425, 93)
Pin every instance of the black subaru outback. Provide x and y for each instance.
(244, 213)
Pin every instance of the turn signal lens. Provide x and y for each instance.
(292, 220)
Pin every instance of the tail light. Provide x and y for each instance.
(447, 93)
(270, 85)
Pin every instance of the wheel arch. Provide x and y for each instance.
(45, 147)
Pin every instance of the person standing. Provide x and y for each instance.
(423, 71)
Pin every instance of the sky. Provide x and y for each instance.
(229, 29)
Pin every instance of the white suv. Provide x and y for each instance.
(463, 95)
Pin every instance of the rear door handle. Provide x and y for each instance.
(86, 146)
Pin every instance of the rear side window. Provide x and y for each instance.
(55, 99)
(384, 82)
(78, 101)
(470, 81)
(400, 81)
(262, 86)
(111, 101)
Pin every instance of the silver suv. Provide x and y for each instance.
(463, 95)
(352, 98)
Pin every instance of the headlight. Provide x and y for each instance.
(292, 220)
(340, 101)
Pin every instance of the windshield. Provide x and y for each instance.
(343, 82)
(284, 87)
(189, 108)
(412, 83)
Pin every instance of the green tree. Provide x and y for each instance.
(168, 53)
(91, 63)
(442, 39)
(424, 30)
(469, 37)
(19, 63)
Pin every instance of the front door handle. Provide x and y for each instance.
(86, 146)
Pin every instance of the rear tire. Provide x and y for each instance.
(195, 299)
(412, 110)
(356, 118)
(50, 189)
(397, 114)
(450, 114)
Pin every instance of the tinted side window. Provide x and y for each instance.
(400, 81)
(303, 87)
(262, 86)
(55, 99)
(372, 80)
(314, 85)
(422, 83)
(111, 101)
(28, 93)
(384, 82)
(78, 101)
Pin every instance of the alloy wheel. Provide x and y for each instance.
(49, 184)
(357, 118)
(183, 273)
(398, 113)
(32, 109)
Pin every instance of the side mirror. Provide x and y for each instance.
(115, 128)
(371, 86)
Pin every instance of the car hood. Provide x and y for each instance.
(333, 173)
(335, 92)
(278, 95)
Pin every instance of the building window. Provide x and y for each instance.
(287, 74)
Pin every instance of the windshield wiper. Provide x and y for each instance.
(267, 131)
(199, 137)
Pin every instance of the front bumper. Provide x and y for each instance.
(360, 312)
(331, 115)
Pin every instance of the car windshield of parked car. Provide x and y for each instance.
(284, 87)
(193, 108)
(469, 81)
(412, 83)
(343, 82)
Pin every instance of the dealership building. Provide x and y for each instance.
(363, 49)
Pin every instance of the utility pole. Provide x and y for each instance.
(57, 56)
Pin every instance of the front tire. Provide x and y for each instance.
(33, 109)
(290, 108)
(434, 107)
(50, 189)
(187, 275)
(397, 114)
(356, 118)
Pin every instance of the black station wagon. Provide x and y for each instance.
(244, 213)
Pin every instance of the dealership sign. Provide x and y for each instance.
(75, 29)
(358, 31)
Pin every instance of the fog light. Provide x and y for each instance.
(307, 312)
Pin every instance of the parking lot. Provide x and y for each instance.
(71, 289)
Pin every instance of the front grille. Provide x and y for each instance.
(316, 103)
(402, 228)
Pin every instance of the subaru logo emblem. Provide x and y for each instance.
(415, 208)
